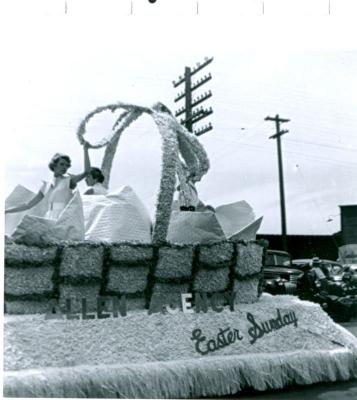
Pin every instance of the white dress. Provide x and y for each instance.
(98, 188)
(57, 194)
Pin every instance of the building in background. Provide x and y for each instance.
(348, 224)
(348, 235)
(323, 246)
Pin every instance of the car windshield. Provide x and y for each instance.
(282, 259)
(277, 259)
(269, 259)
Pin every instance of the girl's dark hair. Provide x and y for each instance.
(56, 158)
(97, 174)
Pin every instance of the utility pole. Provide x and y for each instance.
(192, 114)
(277, 136)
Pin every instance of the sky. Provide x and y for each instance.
(59, 68)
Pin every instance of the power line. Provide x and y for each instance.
(343, 148)
(316, 205)
(192, 114)
(277, 136)
(314, 157)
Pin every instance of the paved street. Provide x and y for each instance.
(351, 326)
(323, 391)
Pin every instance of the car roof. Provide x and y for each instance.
(281, 252)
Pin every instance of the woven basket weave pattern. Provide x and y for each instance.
(34, 275)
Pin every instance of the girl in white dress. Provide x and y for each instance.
(95, 180)
(59, 190)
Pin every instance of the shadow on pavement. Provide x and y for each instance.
(321, 391)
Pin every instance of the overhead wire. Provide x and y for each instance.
(315, 157)
(343, 148)
(318, 208)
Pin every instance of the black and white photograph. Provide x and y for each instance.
(179, 199)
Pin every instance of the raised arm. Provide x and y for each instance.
(26, 206)
(77, 178)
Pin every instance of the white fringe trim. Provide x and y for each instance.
(212, 376)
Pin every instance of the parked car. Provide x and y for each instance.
(327, 283)
(334, 267)
(280, 275)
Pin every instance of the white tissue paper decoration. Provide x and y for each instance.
(235, 221)
(32, 226)
(119, 216)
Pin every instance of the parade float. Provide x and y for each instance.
(175, 317)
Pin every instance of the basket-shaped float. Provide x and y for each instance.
(272, 343)
(39, 274)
